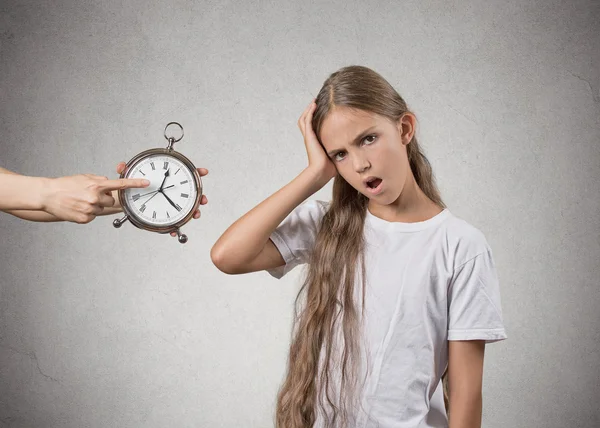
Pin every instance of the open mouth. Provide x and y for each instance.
(374, 183)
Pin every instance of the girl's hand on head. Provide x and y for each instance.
(318, 161)
(203, 200)
(80, 198)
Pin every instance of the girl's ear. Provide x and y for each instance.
(406, 127)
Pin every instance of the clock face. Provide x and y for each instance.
(166, 205)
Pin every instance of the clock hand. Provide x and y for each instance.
(164, 179)
(157, 192)
(149, 193)
(145, 194)
(170, 201)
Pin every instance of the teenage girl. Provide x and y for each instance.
(400, 296)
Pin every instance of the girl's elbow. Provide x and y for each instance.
(219, 260)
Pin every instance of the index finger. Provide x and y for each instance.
(124, 183)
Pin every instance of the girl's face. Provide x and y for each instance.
(364, 145)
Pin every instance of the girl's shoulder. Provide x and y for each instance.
(307, 216)
(464, 240)
(319, 204)
(312, 208)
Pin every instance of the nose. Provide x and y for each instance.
(360, 164)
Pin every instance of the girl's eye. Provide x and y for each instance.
(374, 137)
(370, 138)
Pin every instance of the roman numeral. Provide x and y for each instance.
(143, 208)
(142, 172)
(178, 207)
(185, 195)
(152, 165)
(183, 182)
(154, 214)
(135, 197)
(168, 216)
(177, 171)
(166, 165)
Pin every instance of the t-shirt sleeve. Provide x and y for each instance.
(474, 307)
(296, 235)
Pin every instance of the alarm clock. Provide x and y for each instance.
(173, 195)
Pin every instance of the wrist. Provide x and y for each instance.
(316, 177)
(45, 193)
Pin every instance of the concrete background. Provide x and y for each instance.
(96, 331)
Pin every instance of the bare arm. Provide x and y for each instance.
(25, 193)
(465, 377)
(245, 247)
(12, 189)
(77, 198)
(42, 216)
(19, 192)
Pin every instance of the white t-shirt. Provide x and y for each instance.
(426, 283)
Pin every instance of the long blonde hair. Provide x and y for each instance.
(329, 283)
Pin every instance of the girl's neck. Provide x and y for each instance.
(412, 206)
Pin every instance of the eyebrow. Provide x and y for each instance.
(356, 140)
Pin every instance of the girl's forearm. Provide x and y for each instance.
(465, 412)
(245, 238)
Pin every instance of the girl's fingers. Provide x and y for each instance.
(120, 167)
(301, 124)
(202, 171)
(308, 118)
(302, 119)
(204, 200)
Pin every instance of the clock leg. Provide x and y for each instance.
(181, 237)
(119, 222)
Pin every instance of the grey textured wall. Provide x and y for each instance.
(120, 328)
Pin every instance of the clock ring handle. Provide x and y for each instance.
(172, 140)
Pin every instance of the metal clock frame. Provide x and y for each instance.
(129, 215)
